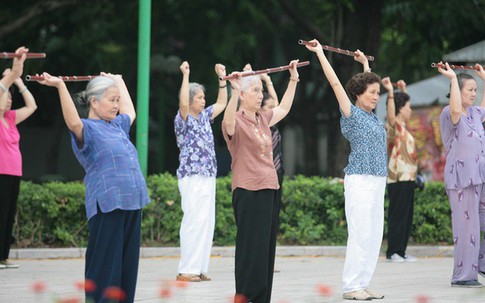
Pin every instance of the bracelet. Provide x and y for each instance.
(293, 79)
(390, 97)
(3, 87)
(23, 89)
(368, 70)
(223, 86)
(268, 84)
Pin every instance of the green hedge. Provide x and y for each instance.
(52, 214)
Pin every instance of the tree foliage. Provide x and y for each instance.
(86, 37)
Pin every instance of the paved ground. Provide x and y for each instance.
(302, 271)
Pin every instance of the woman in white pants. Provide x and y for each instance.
(197, 174)
(365, 174)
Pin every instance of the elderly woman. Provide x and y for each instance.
(402, 169)
(254, 183)
(197, 174)
(115, 187)
(365, 174)
(11, 157)
(464, 142)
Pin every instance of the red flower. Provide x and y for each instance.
(239, 298)
(422, 299)
(89, 286)
(114, 293)
(70, 300)
(39, 287)
(324, 290)
(166, 293)
(181, 284)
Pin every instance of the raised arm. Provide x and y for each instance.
(270, 88)
(338, 89)
(481, 74)
(221, 102)
(184, 97)
(391, 106)
(30, 105)
(126, 104)
(230, 112)
(360, 57)
(402, 86)
(455, 96)
(69, 111)
(16, 72)
(280, 111)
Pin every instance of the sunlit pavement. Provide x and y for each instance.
(304, 274)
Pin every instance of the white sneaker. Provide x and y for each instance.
(395, 258)
(408, 258)
(2, 266)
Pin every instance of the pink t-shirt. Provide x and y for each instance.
(251, 149)
(10, 157)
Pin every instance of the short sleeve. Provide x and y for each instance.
(123, 121)
(179, 124)
(208, 113)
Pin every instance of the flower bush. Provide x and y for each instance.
(52, 214)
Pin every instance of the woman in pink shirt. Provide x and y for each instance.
(10, 157)
(254, 183)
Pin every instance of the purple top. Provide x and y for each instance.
(113, 175)
(196, 143)
(464, 145)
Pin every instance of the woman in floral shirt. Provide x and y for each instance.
(464, 142)
(197, 174)
(402, 169)
(365, 174)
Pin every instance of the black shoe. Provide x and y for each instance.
(467, 284)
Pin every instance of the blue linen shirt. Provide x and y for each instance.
(113, 175)
(196, 143)
(367, 137)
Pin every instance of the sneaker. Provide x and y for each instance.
(395, 258)
(408, 258)
(2, 266)
(467, 284)
(8, 264)
(482, 273)
(204, 278)
(360, 295)
(188, 278)
(373, 294)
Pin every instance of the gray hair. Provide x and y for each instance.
(95, 88)
(194, 88)
(248, 81)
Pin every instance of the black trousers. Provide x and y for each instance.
(9, 193)
(400, 216)
(113, 252)
(256, 214)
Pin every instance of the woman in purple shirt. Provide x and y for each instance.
(197, 174)
(464, 142)
(115, 187)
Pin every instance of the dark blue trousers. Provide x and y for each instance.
(113, 253)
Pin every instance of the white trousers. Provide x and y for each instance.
(197, 229)
(364, 211)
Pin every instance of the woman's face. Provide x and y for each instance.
(406, 111)
(368, 100)
(108, 106)
(198, 103)
(6, 102)
(468, 92)
(270, 104)
(252, 97)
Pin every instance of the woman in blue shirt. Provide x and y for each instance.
(115, 187)
(365, 174)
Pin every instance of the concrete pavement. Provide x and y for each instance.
(306, 274)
